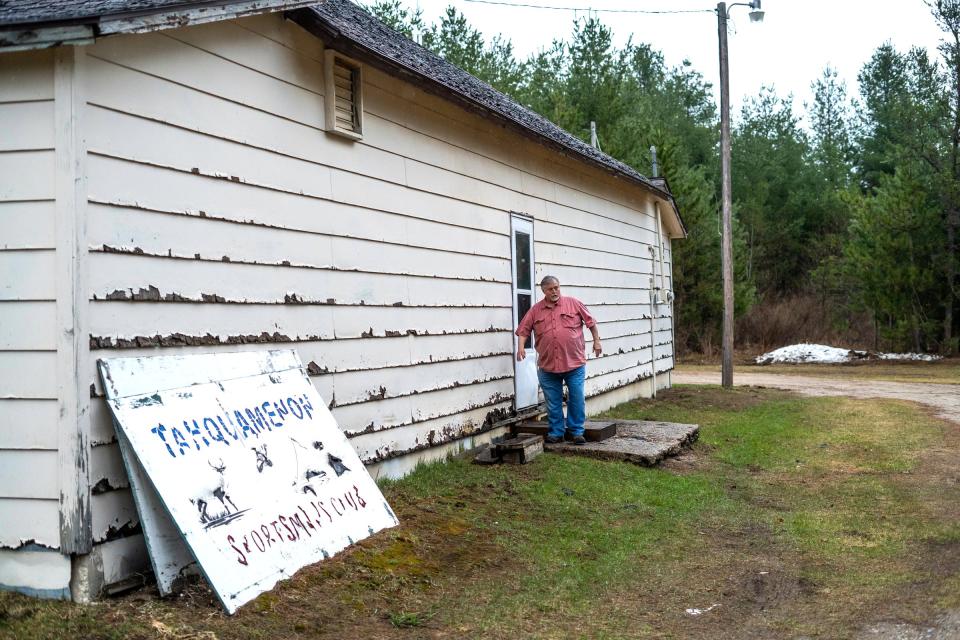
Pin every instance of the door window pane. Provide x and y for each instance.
(523, 261)
(523, 305)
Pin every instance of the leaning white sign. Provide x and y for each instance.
(253, 470)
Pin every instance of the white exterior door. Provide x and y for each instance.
(525, 372)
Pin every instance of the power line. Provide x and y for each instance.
(541, 6)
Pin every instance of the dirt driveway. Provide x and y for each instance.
(944, 398)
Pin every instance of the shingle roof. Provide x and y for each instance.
(355, 32)
(17, 12)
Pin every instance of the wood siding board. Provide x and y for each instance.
(360, 356)
(28, 474)
(596, 276)
(26, 75)
(113, 514)
(28, 126)
(298, 322)
(27, 375)
(43, 574)
(277, 29)
(381, 445)
(435, 117)
(235, 42)
(239, 282)
(28, 424)
(177, 62)
(24, 520)
(127, 183)
(373, 384)
(71, 308)
(35, 175)
(332, 220)
(107, 472)
(567, 255)
(123, 557)
(26, 225)
(135, 230)
(102, 430)
(35, 271)
(28, 326)
(555, 233)
(393, 412)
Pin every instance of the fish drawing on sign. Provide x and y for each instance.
(216, 490)
(337, 464)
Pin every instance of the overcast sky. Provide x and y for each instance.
(788, 50)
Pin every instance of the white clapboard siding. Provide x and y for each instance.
(27, 225)
(34, 172)
(235, 42)
(26, 75)
(296, 322)
(362, 386)
(358, 355)
(28, 424)
(595, 296)
(27, 125)
(39, 573)
(106, 468)
(566, 255)
(27, 326)
(593, 274)
(393, 100)
(28, 473)
(27, 374)
(393, 412)
(34, 275)
(161, 56)
(236, 282)
(123, 557)
(190, 236)
(29, 521)
(101, 419)
(377, 446)
(112, 513)
(122, 182)
(547, 231)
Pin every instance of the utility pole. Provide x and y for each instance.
(726, 242)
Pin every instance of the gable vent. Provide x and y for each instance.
(343, 99)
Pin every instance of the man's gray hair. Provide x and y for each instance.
(549, 280)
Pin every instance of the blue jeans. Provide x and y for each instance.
(552, 385)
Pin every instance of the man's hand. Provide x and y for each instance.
(597, 348)
(521, 353)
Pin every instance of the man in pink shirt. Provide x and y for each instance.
(556, 323)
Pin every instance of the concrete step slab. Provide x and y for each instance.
(642, 442)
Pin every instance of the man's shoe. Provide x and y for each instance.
(553, 439)
(578, 440)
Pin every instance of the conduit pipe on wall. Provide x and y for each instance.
(653, 302)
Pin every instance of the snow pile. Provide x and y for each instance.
(809, 353)
(925, 357)
(820, 353)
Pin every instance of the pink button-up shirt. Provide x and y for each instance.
(558, 333)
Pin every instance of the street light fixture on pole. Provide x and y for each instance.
(726, 248)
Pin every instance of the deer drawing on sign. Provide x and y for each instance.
(210, 514)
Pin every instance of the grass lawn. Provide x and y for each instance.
(945, 371)
(795, 516)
